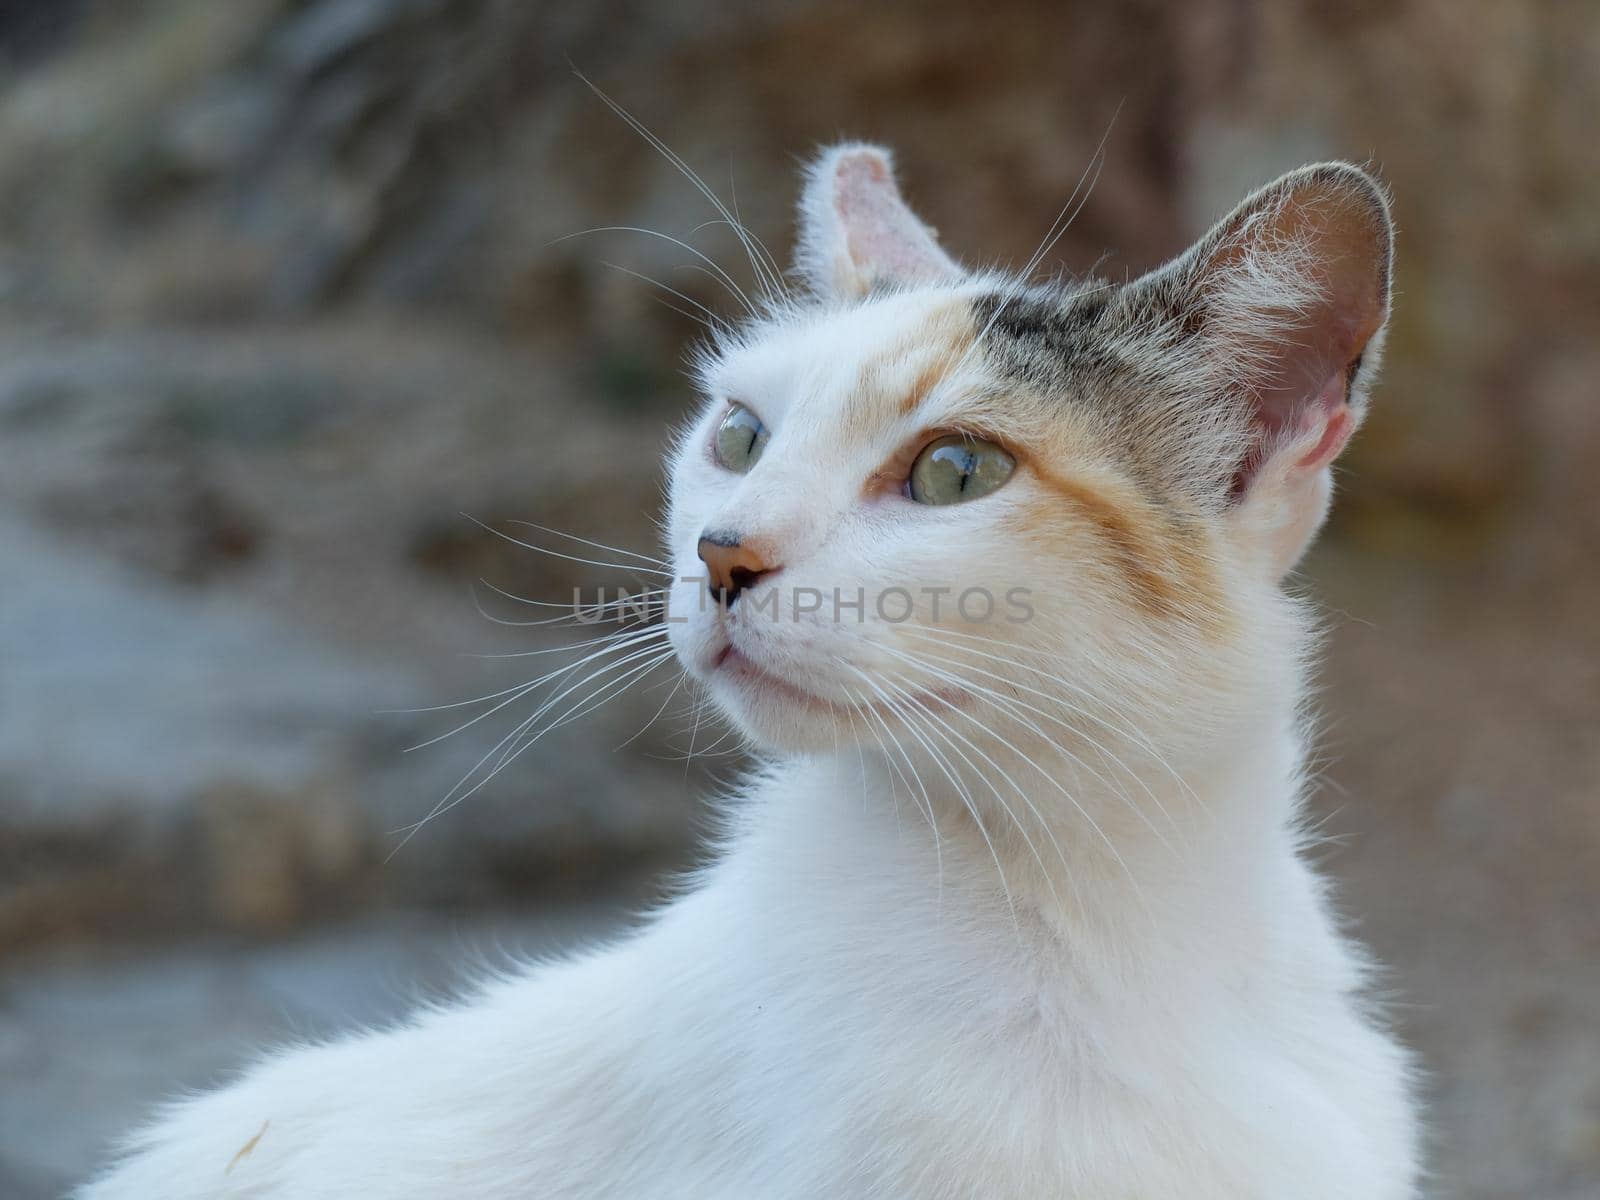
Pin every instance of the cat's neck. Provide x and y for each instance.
(1120, 857)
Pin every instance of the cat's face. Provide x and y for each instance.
(885, 576)
(942, 508)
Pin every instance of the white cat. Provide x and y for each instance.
(1019, 908)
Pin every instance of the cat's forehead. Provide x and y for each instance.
(885, 355)
(987, 340)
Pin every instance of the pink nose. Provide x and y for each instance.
(732, 564)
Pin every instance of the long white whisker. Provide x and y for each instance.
(864, 710)
(650, 650)
(947, 769)
(1012, 707)
(911, 698)
(711, 267)
(733, 197)
(730, 733)
(511, 740)
(510, 737)
(604, 694)
(574, 612)
(1011, 704)
(1057, 229)
(770, 282)
(516, 687)
(581, 708)
(694, 732)
(523, 689)
(711, 320)
(676, 687)
(593, 562)
(772, 263)
(1128, 729)
(501, 655)
(1069, 212)
(1071, 799)
(652, 559)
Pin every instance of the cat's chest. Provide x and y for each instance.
(994, 1098)
(952, 1024)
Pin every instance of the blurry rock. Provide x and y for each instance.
(223, 128)
(192, 737)
(326, 31)
(270, 859)
(30, 29)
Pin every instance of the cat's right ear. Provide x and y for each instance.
(1279, 314)
(857, 233)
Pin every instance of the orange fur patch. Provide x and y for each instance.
(1169, 576)
(938, 344)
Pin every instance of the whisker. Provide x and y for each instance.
(865, 711)
(1128, 729)
(500, 655)
(730, 733)
(575, 611)
(593, 562)
(1063, 220)
(648, 650)
(864, 714)
(911, 698)
(603, 695)
(694, 732)
(682, 676)
(505, 654)
(962, 792)
(1052, 235)
(521, 690)
(1012, 703)
(711, 266)
(652, 559)
(709, 319)
(516, 687)
(1071, 799)
(735, 225)
(582, 708)
(770, 282)
(452, 799)
(518, 694)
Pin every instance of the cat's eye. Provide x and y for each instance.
(740, 439)
(958, 467)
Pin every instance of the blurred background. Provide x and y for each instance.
(283, 295)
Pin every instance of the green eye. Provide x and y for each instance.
(957, 468)
(740, 439)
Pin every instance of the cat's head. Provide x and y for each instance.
(936, 504)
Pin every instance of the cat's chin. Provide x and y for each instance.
(784, 716)
(775, 712)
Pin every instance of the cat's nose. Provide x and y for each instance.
(732, 564)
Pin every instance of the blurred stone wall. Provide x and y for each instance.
(287, 285)
(263, 162)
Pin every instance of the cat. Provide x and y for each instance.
(1019, 904)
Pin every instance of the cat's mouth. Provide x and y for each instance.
(734, 665)
(739, 668)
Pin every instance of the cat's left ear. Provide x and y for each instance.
(855, 230)
(1286, 301)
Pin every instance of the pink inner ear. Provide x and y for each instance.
(1327, 417)
(1335, 433)
(884, 239)
(1324, 232)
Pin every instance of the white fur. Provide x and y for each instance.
(817, 1020)
(1077, 954)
